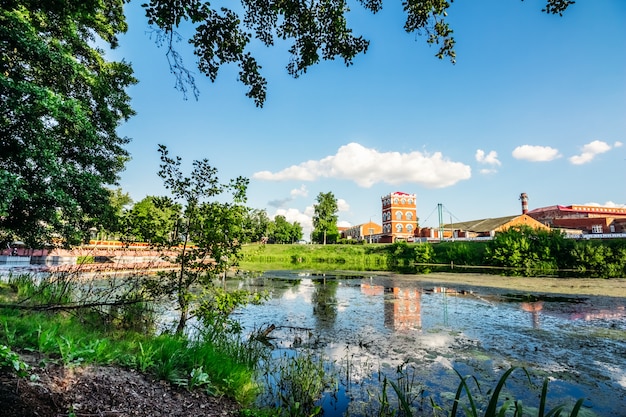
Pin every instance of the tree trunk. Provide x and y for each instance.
(182, 321)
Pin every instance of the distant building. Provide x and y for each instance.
(489, 227)
(588, 219)
(399, 214)
(369, 232)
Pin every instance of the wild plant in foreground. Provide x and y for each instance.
(407, 389)
(12, 361)
(294, 384)
(509, 407)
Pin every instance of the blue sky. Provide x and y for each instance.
(535, 103)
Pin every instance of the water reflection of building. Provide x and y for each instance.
(536, 307)
(403, 311)
(372, 290)
(617, 313)
(533, 308)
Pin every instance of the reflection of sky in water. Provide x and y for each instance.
(379, 323)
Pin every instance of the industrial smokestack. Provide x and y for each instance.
(524, 198)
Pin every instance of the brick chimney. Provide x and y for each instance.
(524, 198)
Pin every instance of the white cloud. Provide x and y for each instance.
(536, 153)
(590, 150)
(343, 223)
(618, 144)
(488, 171)
(490, 159)
(367, 167)
(342, 205)
(300, 192)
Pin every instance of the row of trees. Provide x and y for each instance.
(519, 251)
(159, 220)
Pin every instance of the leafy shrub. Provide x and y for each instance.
(598, 259)
(523, 251)
(460, 253)
(11, 360)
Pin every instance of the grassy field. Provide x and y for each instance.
(315, 257)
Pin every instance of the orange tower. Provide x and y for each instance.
(399, 214)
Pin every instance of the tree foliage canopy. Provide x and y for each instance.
(281, 231)
(208, 235)
(325, 219)
(61, 105)
(317, 29)
(153, 219)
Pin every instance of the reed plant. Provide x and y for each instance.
(294, 383)
(406, 389)
(499, 407)
(49, 290)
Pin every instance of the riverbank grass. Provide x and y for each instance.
(46, 323)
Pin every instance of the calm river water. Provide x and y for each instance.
(370, 326)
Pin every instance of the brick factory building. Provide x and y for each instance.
(399, 215)
(368, 232)
(588, 219)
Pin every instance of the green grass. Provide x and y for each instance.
(66, 340)
(223, 365)
(315, 257)
(294, 384)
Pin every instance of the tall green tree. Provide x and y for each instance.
(119, 201)
(256, 224)
(209, 235)
(325, 219)
(281, 231)
(60, 105)
(154, 219)
(296, 232)
(317, 30)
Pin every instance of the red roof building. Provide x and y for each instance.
(589, 219)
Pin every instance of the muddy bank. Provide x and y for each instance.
(570, 286)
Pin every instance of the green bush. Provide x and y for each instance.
(599, 259)
(460, 253)
(523, 251)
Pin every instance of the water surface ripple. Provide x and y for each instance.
(373, 324)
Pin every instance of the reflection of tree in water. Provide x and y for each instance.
(276, 287)
(324, 300)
